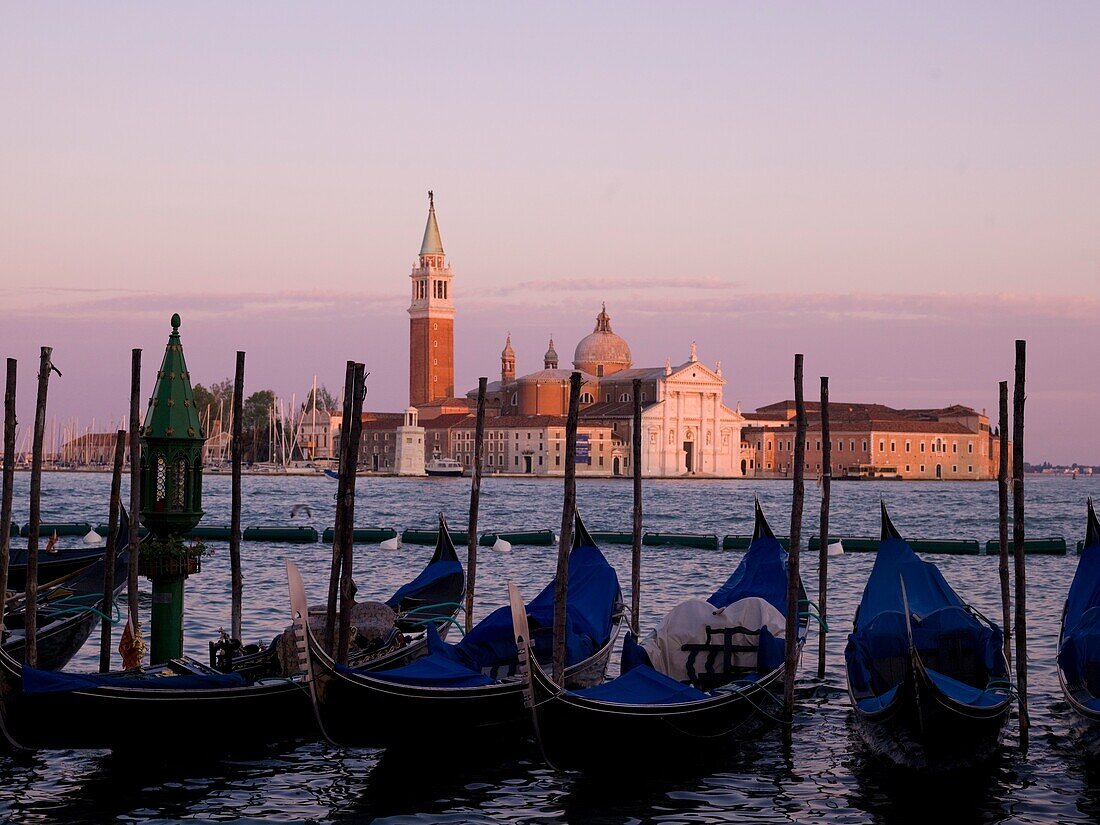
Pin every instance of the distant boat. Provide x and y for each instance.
(443, 467)
(332, 474)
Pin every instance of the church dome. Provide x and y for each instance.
(602, 352)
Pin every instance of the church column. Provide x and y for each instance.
(718, 430)
(663, 438)
(678, 444)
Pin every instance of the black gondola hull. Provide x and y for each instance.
(602, 737)
(924, 728)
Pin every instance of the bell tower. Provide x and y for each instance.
(431, 320)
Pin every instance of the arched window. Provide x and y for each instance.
(162, 481)
(586, 397)
(624, 397)
(179, 484)
(515, 399)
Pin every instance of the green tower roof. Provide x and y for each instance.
(172, 412)
(432, 243)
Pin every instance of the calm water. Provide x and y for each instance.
(822, 775)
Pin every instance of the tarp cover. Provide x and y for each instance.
(762, 573)
(951, 642)
(687, 623)
(593, 594)
(440, 668)
(642, 686)
(1079, 656)
(425, 582)
(925, 586)
(46, 681)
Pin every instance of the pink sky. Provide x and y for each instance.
(898, 192)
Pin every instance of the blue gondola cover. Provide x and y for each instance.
(762, 573)
(643, 686)
(428, 577)
(47, 681)
(593, 592)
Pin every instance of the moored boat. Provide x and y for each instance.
(247, 707)
(927, 674)
(443, 467)
(1079, 640)
(470, 687)
(712, 673)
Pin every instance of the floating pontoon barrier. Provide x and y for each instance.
(294, 534)
(698, 540)
(14, 529)
(852, 544)
(362, 535)
(103, 530)
(541, 538)
(612, 536)
(1052, 546)
(413, 535)
(62, 528)
(743, 542)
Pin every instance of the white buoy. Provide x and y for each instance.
(502, 546)
(836, 548)
(93, 538)
(391, 544)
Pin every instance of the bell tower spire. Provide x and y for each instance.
(431, 319)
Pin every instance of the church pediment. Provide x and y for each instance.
(702, 374)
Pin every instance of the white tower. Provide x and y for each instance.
(408, 459)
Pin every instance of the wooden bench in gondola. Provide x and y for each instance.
(724, 648)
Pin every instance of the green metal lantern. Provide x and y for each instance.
(171, 496)
(171, 452)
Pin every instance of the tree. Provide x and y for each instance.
(218, 398)
(255, 420)
(325, 401)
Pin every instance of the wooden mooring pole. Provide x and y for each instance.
(9, 484)
(636, 552)
(1002, 535)
(338, 523)
(823, 531)
(790, 668)
(347, 535)
(475, 499)
(134, 548)
(1018, 397)
(44, 368)
(109, 552)
(565, 544)
(236, 574)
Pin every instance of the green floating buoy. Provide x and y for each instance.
(699, 541)
(1052, 546)
(62, 528)
(537, 538)
(852, 544)
(294, 534)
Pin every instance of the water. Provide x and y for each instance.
(822, 776)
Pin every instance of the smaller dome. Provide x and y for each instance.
(550, 360)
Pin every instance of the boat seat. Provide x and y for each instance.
(729, 653)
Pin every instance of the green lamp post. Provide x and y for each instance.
(171, 496)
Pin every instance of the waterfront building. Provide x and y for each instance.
(687, 428)
(875, 441)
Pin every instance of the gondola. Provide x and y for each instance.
(69, 609)
(433, 598)
(51, 566)
(712, 673)
(1079, 641)
(220, 711)
(470, 688)
(927, 675)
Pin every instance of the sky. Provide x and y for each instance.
(899, 191)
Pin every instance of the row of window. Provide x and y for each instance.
(420, 289)
(935, 446)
